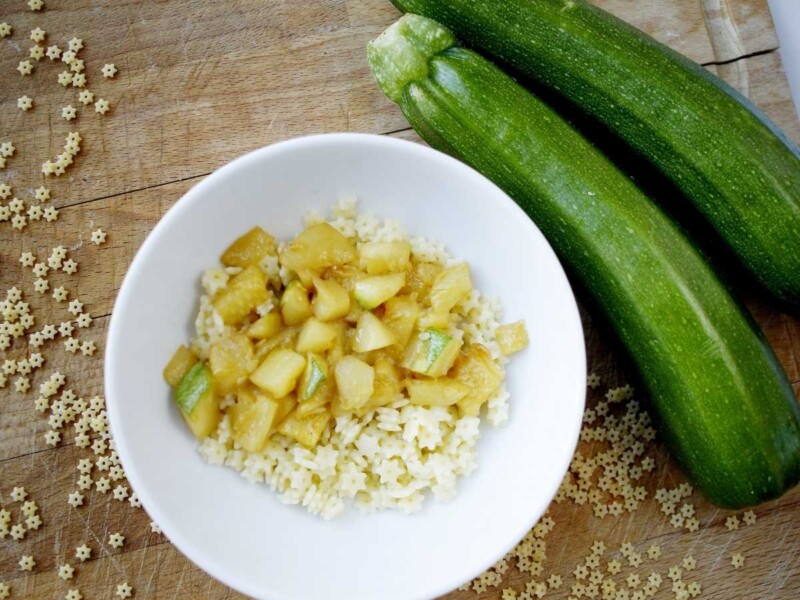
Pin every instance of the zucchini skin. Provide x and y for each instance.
(737, 169)
(720, 397)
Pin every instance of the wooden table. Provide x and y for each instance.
(202, 82)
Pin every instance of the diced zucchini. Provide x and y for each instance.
(371, 334)
(435, 392)
(179, 365)
(355, 381)
(421, 278)
(285, 406)
(450, 286)
(387, 384)
(252, 419)
(480, 374)
(249, 249)
(295, 305)
(265, 327)
(512, 337)
(198, 402)
(377, 258)
(285, 338)
(316, 336)
(306, 431)
(245, 291)
(374, 291)
(432, 353)
(316, 248)
(400, 315)
(278, 374)
(231, 360)
(331, 300)
(314, 376)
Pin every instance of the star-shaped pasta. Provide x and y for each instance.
(35, 212)
(33, 522)
(19, 222)
(41, 285)
(18, 494)
(50, 214)
(66, 571)
(124, 590)
(53, 52)
(75, 44)
(52, 437)
(88, 348)
(120, 492)
(73, 594)
(75, 499)
(29, 507)
(24, 103)
(22, 384)
(16, 205)
(26, 562)
(7, 149)
(36, 52)
(69, 112)
(85, 97)
(68, 57)
(75, 307)
(36, 5)
(98, 237)
(18, 531)
(38, 35)
(116, 540)
(737, 560)
(102, 485)
(41, 404)
(71, 345)
(65, 78)
(83, 552)
(77, 66)
(69, 266)
(5, 29)
(25, 67)
(134, 501)
(40, 269)
(84, 320)
(36, 360)
(85, 465)
(101, 106)
(154, 528)
(109, 70)
(84, 482)
(78, 80)
(5, 190)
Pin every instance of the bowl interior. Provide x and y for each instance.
(240, 533)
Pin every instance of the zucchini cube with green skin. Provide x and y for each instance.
(355, 380)
(252, 419)
(244, 292)
(316, 336)
(378, 258)
(198, 402)
(435, 392)
(432, 353)
(371, 334)
(265, 327)
(331, 300)
(295, 305)
(314, 376)
(278, 373)
(371, 292)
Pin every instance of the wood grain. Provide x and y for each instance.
(202, 82)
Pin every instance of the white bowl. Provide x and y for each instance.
(241, 533)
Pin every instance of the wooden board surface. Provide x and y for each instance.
(202, 82)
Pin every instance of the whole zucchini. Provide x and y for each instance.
(719, 394)
(735, 167)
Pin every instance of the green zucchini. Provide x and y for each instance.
(720, 396)
(735, 167)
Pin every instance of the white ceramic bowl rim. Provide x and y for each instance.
(574, 403)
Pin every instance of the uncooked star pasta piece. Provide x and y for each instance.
(85, 97)
(66, 571)
(52, 437)
(116, 540)
(5, 29)
(98, 237)
(65, 78)
(83, 552)
(53, 52)
(36, 5)
(36, 52)
(101, 106)
(38, 34)
(73, 594)
(50, 214)
(5, 190)
(24, 103)
(25, 67)
(88, 348)
(77, 66)
(75, 499)
(35, 212)
(75, 44)
(7, 149)
(84, 320)
(109, 70)
(78, 80)
(26, 562)
(68, 112)
(124, 590)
